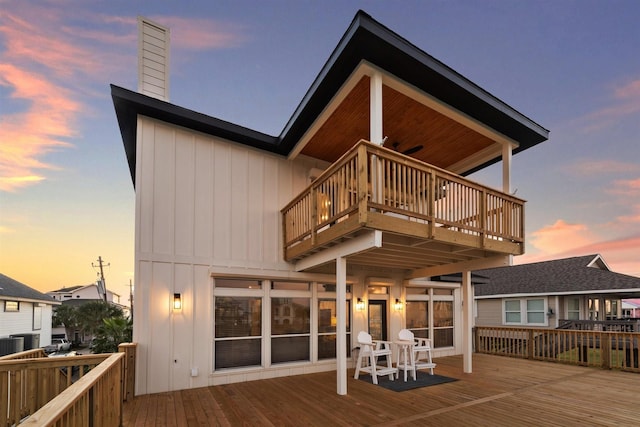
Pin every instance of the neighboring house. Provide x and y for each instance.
(278, 250)
(83, 292)
(78, 295)
(542, 294)
(631, 309)
(24, 312)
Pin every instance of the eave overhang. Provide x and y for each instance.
(366, 40)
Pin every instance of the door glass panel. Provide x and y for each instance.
(378, 320)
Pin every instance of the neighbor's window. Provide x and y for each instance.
(11, 306)
(573, 309)
(512, 311)
(535, 311)
(238, 331)
(37, 317)
(525, 311)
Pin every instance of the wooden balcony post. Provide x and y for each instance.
(483, 212)
(431, 201)
(605, 350)
(530, 345)
(363, 183)
(313, 214)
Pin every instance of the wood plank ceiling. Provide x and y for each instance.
(406, 122)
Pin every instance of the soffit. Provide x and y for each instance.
(406, 121)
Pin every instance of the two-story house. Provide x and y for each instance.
(259, 256)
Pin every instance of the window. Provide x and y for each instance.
(442, 324)
(525, 311)
(11, 306)
(327, 328)
(430, 314)
(573, 308)
(512, 311)
(290, 329)
(238, 331)
(418, 318)
(37, 317)
(535, 311)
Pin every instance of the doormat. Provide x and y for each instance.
(423, 380)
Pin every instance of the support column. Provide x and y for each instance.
(375, 109)
(341, 325)
(467, 322)
(506, 168)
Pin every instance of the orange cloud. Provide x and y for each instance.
(28, 135)
(560, 237)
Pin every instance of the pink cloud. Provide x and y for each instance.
(626, 102)
(591, 167)
(30, 134)
(560, 237)
(622, 255)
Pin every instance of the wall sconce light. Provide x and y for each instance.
(550, 312)
(397, 305)
(177, 302)
(359, 304)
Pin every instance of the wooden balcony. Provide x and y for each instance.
(428, 216)
(501, 391)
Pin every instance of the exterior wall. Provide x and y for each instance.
(207, 208)
(22, 322)
(489, 312)
(200, 202)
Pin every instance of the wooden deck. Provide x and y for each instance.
(502, 391)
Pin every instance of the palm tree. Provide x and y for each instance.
(91, 314)
(113, 332)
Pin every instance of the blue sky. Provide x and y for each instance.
(66, 196)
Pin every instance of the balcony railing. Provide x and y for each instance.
(72, 390)
(369, 181)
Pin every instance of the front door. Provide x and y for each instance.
(378, 319)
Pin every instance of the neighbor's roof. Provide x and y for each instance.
(584, 274)
(365, 40)
(68, 289)
(12, 289)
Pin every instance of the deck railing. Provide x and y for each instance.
(30, 381)
(612, 350)
(371, 178)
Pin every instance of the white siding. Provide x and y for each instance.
(201, 202)
(21, 322)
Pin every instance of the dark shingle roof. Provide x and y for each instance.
(563, 276)
(10, 288)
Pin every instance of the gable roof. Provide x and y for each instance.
(584, 274)
(12, 289)
(366, 40)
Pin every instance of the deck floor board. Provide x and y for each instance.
(501, 392)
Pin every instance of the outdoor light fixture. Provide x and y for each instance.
(177, 302)
(359, 304)
(398, 305)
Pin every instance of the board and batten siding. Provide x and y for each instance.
(200, 202)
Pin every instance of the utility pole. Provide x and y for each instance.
(131, 298)
(102, 286)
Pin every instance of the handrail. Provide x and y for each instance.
(611, 350)
(371, 178)
(27, 354)
(75, 405)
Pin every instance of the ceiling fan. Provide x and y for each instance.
(408, 151)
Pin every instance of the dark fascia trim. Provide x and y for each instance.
(129, 105)
(365, 39)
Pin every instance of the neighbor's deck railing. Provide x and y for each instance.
(30, 381)
(372, 178)
(617, 350)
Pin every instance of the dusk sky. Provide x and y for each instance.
(66, 196)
